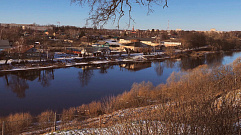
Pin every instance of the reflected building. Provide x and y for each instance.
(136, 66)
(102, 67)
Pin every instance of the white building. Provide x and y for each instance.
(168, 44)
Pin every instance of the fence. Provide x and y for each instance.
(47, 123)
(175, 118)
(137, 123)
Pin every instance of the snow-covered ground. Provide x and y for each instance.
(136, 128)
(70, 61)
(113, 130)
(135, 125)
(139, 126)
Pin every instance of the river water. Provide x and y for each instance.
(35, 91)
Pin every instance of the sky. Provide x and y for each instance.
(223, 15)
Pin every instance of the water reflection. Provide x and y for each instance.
(103, 68)
(85, 76)
(209, 59)
(136, 66)
(30, 75)
(228, 53)
(214, 59)
(87, 72)
(45, 77)
(169, 63)
(158, 68)
(17, 82)
(17, 85)
(190, 63)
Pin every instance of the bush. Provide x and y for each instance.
(18, 122)
(46, 119)
(68, 114)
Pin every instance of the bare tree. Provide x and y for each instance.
(101, 11)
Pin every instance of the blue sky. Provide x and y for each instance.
(222, 15)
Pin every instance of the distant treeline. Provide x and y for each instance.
(217, 41)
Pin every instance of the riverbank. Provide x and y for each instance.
(17, 65)
(73, 61)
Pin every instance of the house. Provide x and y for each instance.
(87, 39)
(25, 51)
(32, 52)
(125, 40)
(171, 43)
(95, 51)
(111, 44)
(98, 45)
(147, 41)
(134, 46)
(5, 44)
(74, 51)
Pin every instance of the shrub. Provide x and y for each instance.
(46, 119)
(68, 114)
(18, 122)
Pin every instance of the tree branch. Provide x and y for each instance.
(101, 11)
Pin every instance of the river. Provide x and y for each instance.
(35, 91)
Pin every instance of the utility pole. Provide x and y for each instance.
(55, 119)
(3, 126)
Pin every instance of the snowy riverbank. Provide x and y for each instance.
(71, 61)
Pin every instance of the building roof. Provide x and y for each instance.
(96, 49)
(136, 44)
(4, 44)
(141, 39)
